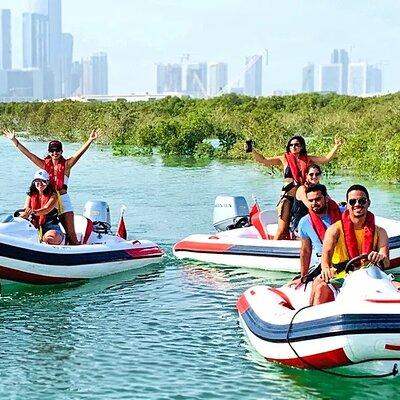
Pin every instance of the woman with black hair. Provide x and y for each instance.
(40, 208)
(295, 162)
(301, 205)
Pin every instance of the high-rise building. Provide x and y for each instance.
(5, 39)
(357, 79)
(35, 41)
(43, 39)
(308, 78)
(169, 78)
(87, 81)
(55, 44)
(76, 78)
(66, 67)
(196, 80)
(253, 76)
(374, 79)
(25, 85)
(341, 56)
(99, 67)
(217, 77)
(330, 78)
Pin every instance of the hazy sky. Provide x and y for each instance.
(138, 33)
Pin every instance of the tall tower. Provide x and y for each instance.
(169, 78)
(43, 39)
(99, 68)
(35, 41)
(5, 39)
(341, 56)
(55, 43)
(253, 76)
(66, 66)
(217, 77)
(308, 78)
(330, 78)
(196, 80)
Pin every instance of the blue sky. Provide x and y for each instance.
(138, 33)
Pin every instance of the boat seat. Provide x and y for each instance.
(83, 228)
(262, 219)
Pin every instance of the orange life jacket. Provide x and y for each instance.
(317, 223)
(297, 167)
(56, 178)
(350, 236)
(38, 202)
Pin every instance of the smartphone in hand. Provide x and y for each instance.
(249, 146)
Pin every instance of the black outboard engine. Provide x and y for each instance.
(230, 212)
(99, 213)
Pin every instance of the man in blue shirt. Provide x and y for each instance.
(311, 244)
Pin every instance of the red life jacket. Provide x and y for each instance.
(334, 214)
(350, 236)
(35, 203)
(56, 179)
(297, 167)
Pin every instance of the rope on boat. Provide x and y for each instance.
(393, 372)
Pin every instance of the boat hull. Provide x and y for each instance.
(350, 331)
(243, 247)
(30, 262)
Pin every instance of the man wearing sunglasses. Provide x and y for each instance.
(355, 234)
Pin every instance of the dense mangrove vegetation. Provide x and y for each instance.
(186, 127)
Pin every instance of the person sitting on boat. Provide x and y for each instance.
(294, 161)
(40, 208)
(301, 205)
(355, 234)
(59, 170)
(312, 227)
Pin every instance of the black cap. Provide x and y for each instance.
(55, 145)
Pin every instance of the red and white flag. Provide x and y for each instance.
(255, 209)
(121, 229)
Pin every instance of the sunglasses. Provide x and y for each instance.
(361, 201)
(312, 174)
(41, 181)
(294, 145)
(54, 151)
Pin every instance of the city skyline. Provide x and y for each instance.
(137, 36)
(47, 58)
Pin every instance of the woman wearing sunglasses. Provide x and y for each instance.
(295, 162)
(59, 170)
(40, 208)
(301, 205)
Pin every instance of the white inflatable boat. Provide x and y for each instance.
(24, 259)
(253, 247)
(361, 326)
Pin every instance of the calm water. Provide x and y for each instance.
(171, 331)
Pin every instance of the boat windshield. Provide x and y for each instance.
(7, 218)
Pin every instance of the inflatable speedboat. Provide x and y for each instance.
(238, 243)
(24, 259)
(362, 326)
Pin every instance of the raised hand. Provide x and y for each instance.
(9, 134)
(94, 134)
(338, 141)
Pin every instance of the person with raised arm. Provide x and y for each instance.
(59, 170)
(294, 162)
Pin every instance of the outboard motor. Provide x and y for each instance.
(230, 212)
(99, 213)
